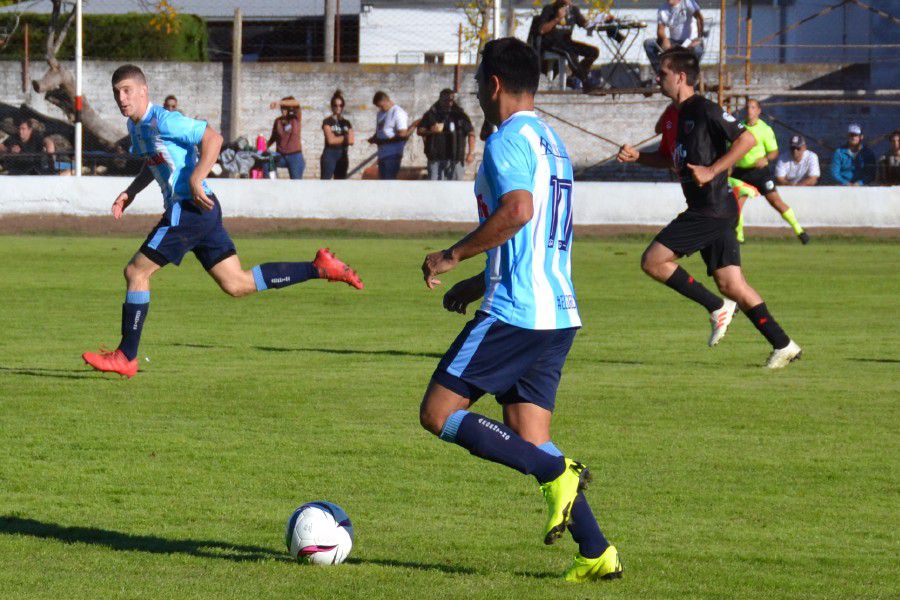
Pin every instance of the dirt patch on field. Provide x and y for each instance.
(140, 225)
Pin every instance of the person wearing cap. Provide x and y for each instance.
(800, 168)
(753, 168)
(853, 164)
(286, 137)
(447, 131)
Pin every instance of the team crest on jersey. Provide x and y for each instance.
(688, 126)
(551, 148)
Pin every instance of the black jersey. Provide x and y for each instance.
(705, 131)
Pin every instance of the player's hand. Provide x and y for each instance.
(435, 264)
(762, 162)
(461, 295)
(118, 207)
(200, 197)
(695, 42)
(373, 140)
(627, 153)
(701, 175)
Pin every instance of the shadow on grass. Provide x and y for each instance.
(889, 361)
(117, 540)
(49, 373)
(382, 562)
(350, 352)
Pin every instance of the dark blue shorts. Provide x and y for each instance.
(514, 364)
(183, 228)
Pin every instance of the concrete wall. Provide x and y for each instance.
(204, 90)
(596, 203)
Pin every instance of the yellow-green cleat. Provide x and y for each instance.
(560, 494)
(606, 566)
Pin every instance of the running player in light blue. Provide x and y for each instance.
(192, 220)
(516, 345)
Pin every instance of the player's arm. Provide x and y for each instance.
(699, 39)
(470, 154)
(210, 144)
(662, 34)
(628, 153)
(808, 180)
(703, 175)
(330, 138)
(464, 293)
(124, 200)
(515, 210)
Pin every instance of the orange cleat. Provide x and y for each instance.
(332, 269)
(111, 362)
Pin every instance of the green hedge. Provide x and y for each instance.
(114, 37)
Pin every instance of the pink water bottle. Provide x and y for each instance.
(260, 143)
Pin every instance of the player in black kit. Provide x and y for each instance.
(702, 158)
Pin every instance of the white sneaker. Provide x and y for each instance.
(720, 319)
(779, 359)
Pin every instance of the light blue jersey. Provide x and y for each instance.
(168, 140)
(528, 280)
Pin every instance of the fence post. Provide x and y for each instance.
(234, 130)
(328, 54)
(457, 74)
(26, 72)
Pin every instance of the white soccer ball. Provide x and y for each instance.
(319, 533)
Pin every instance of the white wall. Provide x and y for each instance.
(596, 203)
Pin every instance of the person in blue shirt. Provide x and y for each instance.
(192, 221)
(853, 164)
(516, 345)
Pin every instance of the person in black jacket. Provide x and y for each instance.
(447, 130)
(552, 31)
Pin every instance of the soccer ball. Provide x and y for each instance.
(319, 533)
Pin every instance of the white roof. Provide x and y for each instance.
(218, 10)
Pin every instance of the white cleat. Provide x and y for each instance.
(781, 358)
(720, 319)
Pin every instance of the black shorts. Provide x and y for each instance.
(186, 228)
(761, 179)
(713, 237)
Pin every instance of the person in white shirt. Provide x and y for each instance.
(392, 129)
(674, 27)
(802, 168)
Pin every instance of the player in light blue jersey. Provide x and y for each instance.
(192, 221)
(516, 345)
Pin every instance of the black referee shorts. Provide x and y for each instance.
(713, 237)
(761, 179)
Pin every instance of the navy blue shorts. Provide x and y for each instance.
(512, 363)
(183, 228)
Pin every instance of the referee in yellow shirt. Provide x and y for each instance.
(753, 168)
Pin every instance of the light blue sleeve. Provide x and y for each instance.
(509, 164)
(837, 166)
(174, 126)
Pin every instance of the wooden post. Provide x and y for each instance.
(457, 75)
(328, 50)
(749, 45)
(722, 31)
(26, 73)
(234, 129)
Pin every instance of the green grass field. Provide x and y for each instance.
(714, 477)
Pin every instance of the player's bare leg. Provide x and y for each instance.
(437, 406)
(658, 262)
(731, 283)
(123, 360)
(237, 282)
(232, 278)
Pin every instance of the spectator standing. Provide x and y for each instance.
(447, 129)
(889, 164)
(30, 152)
(338, 138)
(286, 137)
(853, 164)
(553, 30)
(170, 103)
(392, 129)
(674, 27)
(800, 168)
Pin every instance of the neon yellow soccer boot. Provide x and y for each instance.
(560, 494)
(606, 566)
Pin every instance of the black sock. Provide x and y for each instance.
(688, 287)
(768, 326)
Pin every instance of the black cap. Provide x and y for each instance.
(797, 141)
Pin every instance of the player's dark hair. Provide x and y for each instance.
(379, 96)
(170, 97)
(128, 72)
(513, 62)
(338, 95)
(682, 60)
(26, 121)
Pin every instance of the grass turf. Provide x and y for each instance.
(713, 477)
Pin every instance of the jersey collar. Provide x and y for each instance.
(521, 113)
(147, 114)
